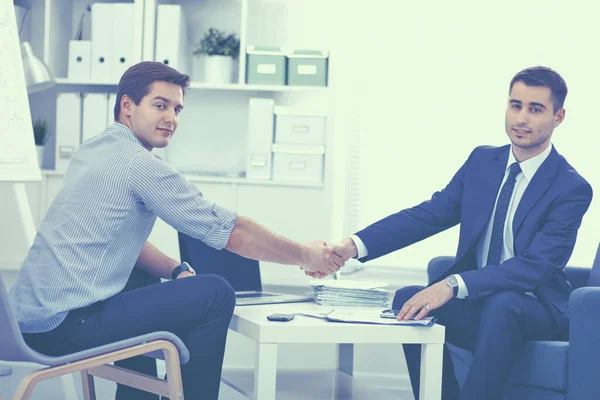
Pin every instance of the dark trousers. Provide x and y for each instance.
(494, 329)
(197, 309)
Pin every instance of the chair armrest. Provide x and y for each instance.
(584, 343)
(437, 266)
(578, 276)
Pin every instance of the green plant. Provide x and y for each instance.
(218, 43)
(41, 133)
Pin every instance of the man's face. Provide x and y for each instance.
(530, 118)
(155, 119)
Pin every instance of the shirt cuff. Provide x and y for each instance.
(360, 246)
(463, 292)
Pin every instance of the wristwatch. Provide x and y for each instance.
(180, 268)
(453, 283)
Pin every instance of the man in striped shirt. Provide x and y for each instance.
(74, 289)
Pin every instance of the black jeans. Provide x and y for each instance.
(197, 309)
(494, 328)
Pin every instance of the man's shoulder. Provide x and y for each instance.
(487, 153)
(567, 174)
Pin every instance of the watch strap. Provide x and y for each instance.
(179, 269)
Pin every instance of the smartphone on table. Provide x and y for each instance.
(280, 317)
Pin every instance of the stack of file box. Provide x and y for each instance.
(350, 293)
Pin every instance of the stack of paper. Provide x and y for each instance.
(350, 293)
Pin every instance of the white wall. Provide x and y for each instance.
(433, 82)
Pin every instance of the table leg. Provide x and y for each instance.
(431, 371)
(346, 358)
(265, 371)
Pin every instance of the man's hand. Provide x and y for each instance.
(320, 260)
(184, 274)
(433, 297)
(346, 249)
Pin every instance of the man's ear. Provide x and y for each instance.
(559, 117)
(126, 105)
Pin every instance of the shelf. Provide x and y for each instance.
(206, 86)
(257, 88)
(221, 179)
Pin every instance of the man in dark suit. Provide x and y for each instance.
(519, 207)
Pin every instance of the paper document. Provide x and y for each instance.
(366, 317)
(348, 284)
(349, 293)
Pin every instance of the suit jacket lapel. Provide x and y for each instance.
(487, 184)
(537, 187)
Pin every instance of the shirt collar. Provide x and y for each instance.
(126, 133)
(530, 166)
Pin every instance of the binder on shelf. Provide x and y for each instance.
(80, 54)
(110, 110)
(260, 138)
(68, 124)
(94, 114)
(123, 45)
(171, 37)
(102, 41)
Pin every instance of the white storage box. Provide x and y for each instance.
(298, 163)
(260, 138)
(293, 126)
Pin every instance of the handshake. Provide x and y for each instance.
(322, 259)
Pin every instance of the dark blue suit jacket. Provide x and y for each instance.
(545, 227)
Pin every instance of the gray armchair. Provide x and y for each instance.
(552, 370)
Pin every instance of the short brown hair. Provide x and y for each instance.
(138, 79)
(546, 77)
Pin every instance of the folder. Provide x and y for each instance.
(102, 41)
(110, 110)
(68, 127)
(171, 37)
(80, 54)
(123, 52)
(260, 138)
(94, 114)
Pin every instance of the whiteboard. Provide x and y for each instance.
(18, 160)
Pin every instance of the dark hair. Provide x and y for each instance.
(544, 76)
(138, 79)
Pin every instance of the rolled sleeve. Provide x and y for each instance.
(166, 193)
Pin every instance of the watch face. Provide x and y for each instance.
(452, 281)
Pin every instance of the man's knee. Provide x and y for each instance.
(223, 291)
(501, 305)
(405, 294)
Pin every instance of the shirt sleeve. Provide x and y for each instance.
(360, 246)
(463, 292)
(166, 193)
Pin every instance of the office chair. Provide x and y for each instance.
(95, 361)
(551, 370)
(241, 273)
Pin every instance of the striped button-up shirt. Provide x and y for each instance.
(94, 230)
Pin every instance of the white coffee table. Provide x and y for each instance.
(251, 322)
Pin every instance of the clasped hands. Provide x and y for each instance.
(324, 259)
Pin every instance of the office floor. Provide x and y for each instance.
(322, 386)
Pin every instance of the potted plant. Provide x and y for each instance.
(40, 135)
(219, 49)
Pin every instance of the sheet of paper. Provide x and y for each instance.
(373, 317)
(348, 284)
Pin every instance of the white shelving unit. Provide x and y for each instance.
(211, 141)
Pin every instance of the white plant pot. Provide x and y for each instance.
(218, 69)
(40, 154)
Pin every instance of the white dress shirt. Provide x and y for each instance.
(528, 170)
